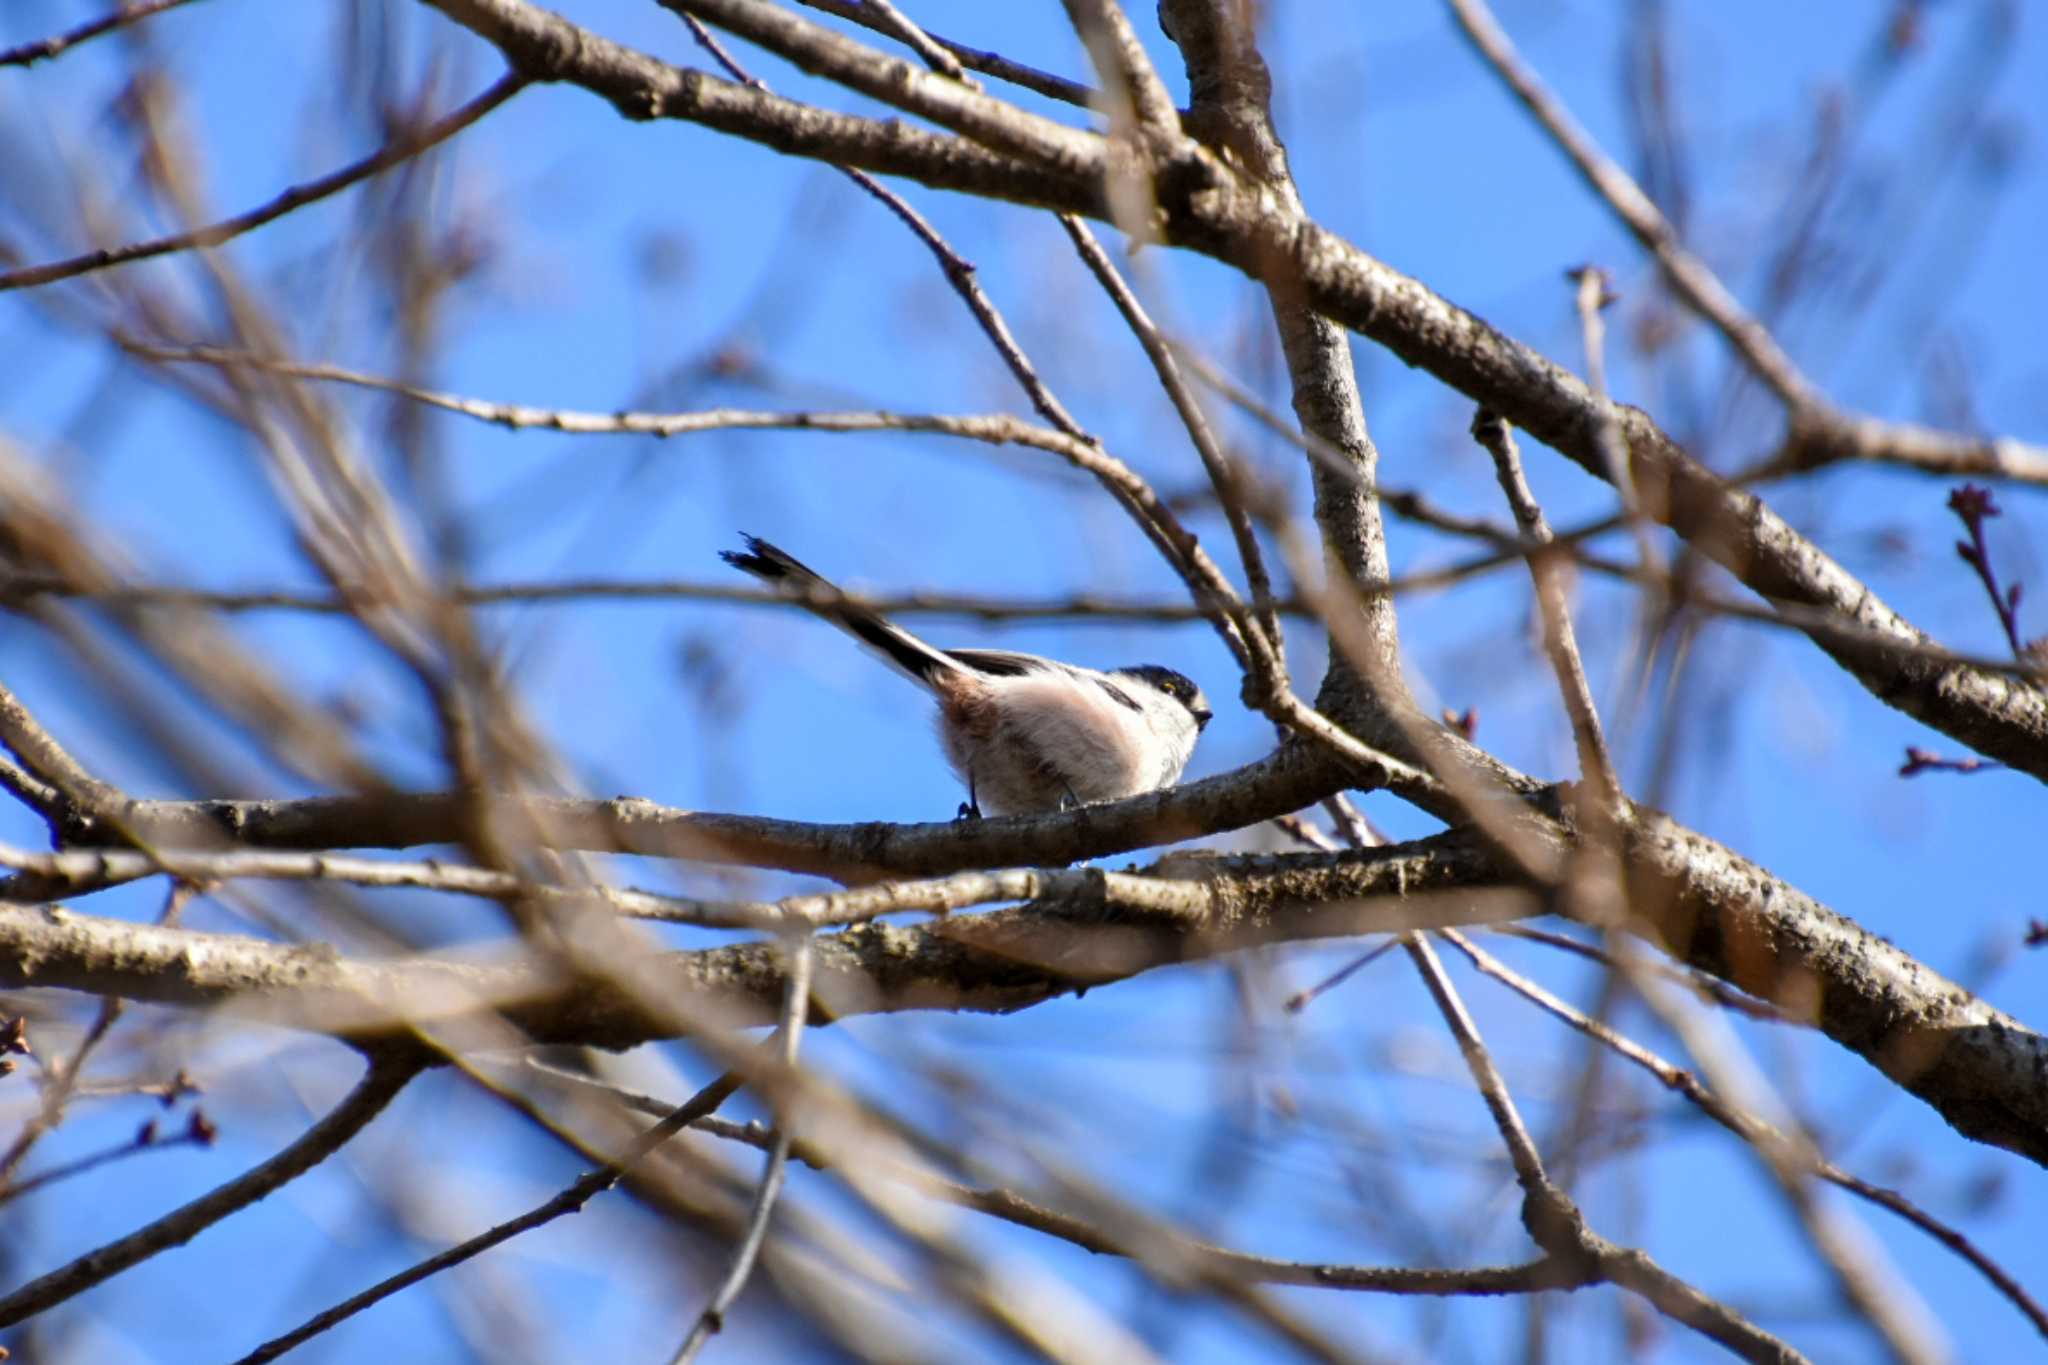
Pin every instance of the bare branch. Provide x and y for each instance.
(1596, 765)
(821, 52)
(1190, 907)
(71, 798)
(1709, 908)
(1211, 1262)
(570, 1200)
(27, 54)
(1820, 433)
(1224, 474)
(1749, 1126)
(1080, 608)
(988, 63)
(796, 1008)
(1695, 283)
(884, 17)
(1131, 86)
(1287, 780)
(404, 147)
(1820, 439)
(388, 1073)
(1554, 1221)
(1274, 242)
(1880, 1296)
(1974, 506)
(61, 1079)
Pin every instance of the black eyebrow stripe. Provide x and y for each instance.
(1117, 694)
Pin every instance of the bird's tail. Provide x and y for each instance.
(802, 584)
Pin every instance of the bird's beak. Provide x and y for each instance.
(1202, 715)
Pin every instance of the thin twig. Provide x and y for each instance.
(1820, 433)
(1302, 999)
(42, 50)
(1695, 283)
(570, 1200)
(199, 1132)
(1879, 1295)
(1555, 1222)
(987, 63)
(1706, 987)
(1326, 454)
(826, 53)
(1974, 506)
(1066, 439)
(1082, 607)
(1591, 296)
(1560, 641)
(796, 1009)
(1919, 760)
(1831, 627)
(1358, 831)
(38, 795)
(1225, 475)
(83, 798)
(1748, 1126)
(61, 1081)
(405, 146)
(81, 871)
(388, 1073)
(934, 54)
(1178, 546)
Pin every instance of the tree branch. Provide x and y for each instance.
(1206, 208)
(408, 144)
(1707, 907)
(388, 1073)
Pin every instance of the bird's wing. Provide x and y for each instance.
(1005, 663)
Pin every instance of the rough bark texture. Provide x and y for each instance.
(1284, 781)
(1985, 1072)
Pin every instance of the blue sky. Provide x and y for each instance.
(618, 256)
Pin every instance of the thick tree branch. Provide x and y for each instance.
(1193, 907)
(893, 80)
(1728, 917)
(548, 47)
(1284, 781)
(2000, 716)
(1707, 907)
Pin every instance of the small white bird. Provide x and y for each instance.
(1025, 733)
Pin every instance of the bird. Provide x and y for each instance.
(1026, 734)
